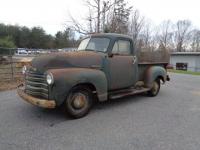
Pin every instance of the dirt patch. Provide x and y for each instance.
(9, 85)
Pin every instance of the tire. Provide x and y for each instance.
(78, 102)
(155, 89)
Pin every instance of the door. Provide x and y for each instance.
(122, 66)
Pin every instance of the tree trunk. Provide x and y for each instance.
(98, 16)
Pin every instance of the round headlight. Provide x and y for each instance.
(49, 78)
(24, 70)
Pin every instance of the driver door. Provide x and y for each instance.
(122, 66)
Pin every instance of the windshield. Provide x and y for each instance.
(95, 44)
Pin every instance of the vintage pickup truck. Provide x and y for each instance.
(105, 66)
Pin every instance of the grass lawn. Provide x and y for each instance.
(183, 72)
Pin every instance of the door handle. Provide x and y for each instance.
(134, 59)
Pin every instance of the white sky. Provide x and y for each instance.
(52, 14)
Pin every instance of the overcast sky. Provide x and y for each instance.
(52, 14)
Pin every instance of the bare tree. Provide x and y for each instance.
(136, 24)
(96, 18)
(106, 11)
(76, 26)
(146, 35)
(117, 16)
(195, 40)
(89, 19)
(148, 38)
(181, 34)
(96, 5)
(120, 17)
(165, 34)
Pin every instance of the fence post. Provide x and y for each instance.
(11, 62)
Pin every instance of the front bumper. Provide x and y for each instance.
(35, 101)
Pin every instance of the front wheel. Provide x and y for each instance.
(78, 102)
(155, 88)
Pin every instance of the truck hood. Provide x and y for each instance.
(82, 59)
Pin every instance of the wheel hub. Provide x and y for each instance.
(79, 101)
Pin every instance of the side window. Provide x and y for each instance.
(115, 49)
(122, 47)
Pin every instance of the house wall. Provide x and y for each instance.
(193, 61)
(198, 63)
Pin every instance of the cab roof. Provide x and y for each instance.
(110, 35)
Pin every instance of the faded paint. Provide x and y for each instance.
(83, 59)
(67, 78)
(36, 101)
(154, 72)
(103, 71)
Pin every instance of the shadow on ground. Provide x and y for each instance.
(57, 115)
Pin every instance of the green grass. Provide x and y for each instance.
(184, 72)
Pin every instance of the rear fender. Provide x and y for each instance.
(153, 73)
(66, 79)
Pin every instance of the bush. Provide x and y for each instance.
(7, 42)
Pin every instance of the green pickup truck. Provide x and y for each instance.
(105, 66)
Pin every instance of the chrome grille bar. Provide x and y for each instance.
(36, 85)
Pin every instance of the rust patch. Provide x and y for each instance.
(36, 101)
(80, 59)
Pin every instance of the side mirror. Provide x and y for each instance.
(110, 55)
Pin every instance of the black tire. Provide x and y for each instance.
(79, 102)
(155, 89)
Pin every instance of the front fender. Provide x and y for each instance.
(154, 72)
(65, 79)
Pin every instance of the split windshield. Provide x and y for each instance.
(95, 44)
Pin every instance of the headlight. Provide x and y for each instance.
(49, 78)
(24, 70)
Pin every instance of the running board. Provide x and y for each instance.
(126, 92)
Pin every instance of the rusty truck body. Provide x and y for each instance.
(105, 66)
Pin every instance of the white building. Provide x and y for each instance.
(186, 61)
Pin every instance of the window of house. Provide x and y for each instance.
(181, 66)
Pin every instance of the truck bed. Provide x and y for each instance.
(153, 57)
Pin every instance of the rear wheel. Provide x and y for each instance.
(155, 88)
(78, 102)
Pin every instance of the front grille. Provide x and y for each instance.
(36, 85)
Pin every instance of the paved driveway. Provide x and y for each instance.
(170, 121)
